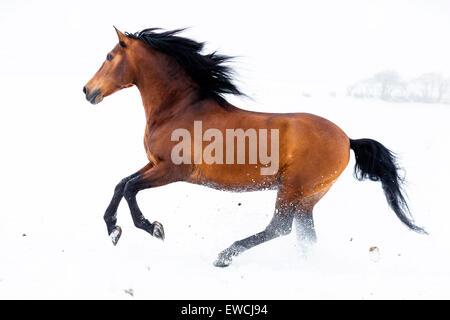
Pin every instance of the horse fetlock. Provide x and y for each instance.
(110, 220)
(141, 223)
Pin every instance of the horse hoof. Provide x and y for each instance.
(115, 234)
(222, 263)
(158, 230)
(224, 259)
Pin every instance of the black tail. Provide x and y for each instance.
(376, 162)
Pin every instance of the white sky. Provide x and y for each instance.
(317, 42)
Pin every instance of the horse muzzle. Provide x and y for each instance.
(93, 97)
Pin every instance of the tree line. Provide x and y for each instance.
(388, 85)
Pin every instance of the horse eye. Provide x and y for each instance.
(109, 57)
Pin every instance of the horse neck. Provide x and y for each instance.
(163, 94)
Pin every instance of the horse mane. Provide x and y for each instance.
(209, 71)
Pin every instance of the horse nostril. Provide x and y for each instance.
(84, 90)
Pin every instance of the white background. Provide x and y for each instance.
(61, 157)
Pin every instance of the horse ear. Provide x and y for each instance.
(123, 39)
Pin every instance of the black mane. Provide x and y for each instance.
(208, 71)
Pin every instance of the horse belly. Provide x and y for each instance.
(235, 177)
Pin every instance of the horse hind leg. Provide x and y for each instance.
(304, 222)
(304, 226)
(305, 232)
(280, 225)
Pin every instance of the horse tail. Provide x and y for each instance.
(377, 163)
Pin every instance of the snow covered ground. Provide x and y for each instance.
(60, 176)
(61, 159)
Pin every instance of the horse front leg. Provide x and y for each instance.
(110, 215)
(159, 175)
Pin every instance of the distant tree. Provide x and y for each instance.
(381, 86)
(388, 81)
(432, 87)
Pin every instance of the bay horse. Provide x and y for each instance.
(179, 86)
